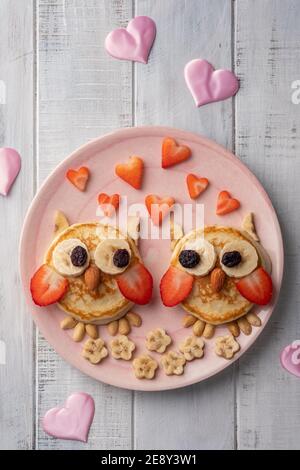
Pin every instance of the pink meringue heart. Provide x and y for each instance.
(10, 164)
(73, 420)
(133, 43)
(208, 85)
(290, 358)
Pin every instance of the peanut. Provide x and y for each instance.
(188, 320)
(198, 327)
(244, 325)
(68, 323)
(253, 319)
(112, 327)
(134, 319)
(79, 332)
(234, 328)
(92, 331)
(124, 327)
(208, 331)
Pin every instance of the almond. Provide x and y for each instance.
(92, 331)
(124, 327)
(68, 323)
(217, 279)
(79, 332)
(92, 277)
(188, 320)
(112, 327)
(134, 319)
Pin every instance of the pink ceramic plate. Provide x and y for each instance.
(223, 170)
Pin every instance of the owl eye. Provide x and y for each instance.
(238, 258)
(113, 256)
(198, 257)
(71, 257)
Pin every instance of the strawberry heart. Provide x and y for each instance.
(172, 153)
(208, 85)
(73, 420)
(226, 203)
(290, 358)
(133, 43)
(158, 207)
(10, 164)
(196, 185)
(109, 204)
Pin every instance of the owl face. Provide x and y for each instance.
(217, 274)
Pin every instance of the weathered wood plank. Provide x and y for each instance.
(268, 140)
(16, 130)
(83, 94)
(201, 416)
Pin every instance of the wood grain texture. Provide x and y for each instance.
(83, 94)
(201, 416)
(268, 141)
(16, 130)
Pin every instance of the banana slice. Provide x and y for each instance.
(207, 255)
(248, 258)
(62, 260)
(104, 255)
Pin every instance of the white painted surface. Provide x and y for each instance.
(84, 93)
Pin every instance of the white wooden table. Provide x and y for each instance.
(63, 90)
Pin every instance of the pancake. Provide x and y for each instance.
(227, 305)
(106, 303)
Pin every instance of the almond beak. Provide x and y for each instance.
(217, 279)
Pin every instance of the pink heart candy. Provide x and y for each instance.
(134, 42)
(208, 85)
(73, 420)
(290, 358)
(10, 164)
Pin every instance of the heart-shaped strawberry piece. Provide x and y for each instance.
(158, 207)
(109, 204)
(73, 420)
(196, 185)
(226, 203)
(133, 43)
(172, 154)
(79, 178)
(131, 172)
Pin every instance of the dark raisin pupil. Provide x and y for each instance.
(231, 259)
(79, 256)
(189, 258)
(121, 258)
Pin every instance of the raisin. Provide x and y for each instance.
(121, 258)
(231, 259)
(189, 258)
(79, 256)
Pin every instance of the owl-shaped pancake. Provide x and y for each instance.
(217, 274)
(93, 272)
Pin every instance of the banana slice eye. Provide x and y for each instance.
(112, 256)
(238, 258)
(71, 257)
(198, 257)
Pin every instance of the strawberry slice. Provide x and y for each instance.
(196, 185)
(108, 204)
(175, 286)
(173, 153)
(79, 178)
(131, 172)
(257, 287)
(136, 284)
(47, 286)
(226, 203)
(158, 207)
